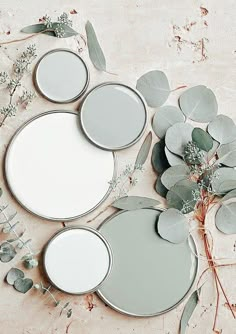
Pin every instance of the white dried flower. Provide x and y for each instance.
(64, 19)
(59, 31)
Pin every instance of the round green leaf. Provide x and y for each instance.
(172, 226)
(23, 284)
(222, 129)
(159, 160)
(177, 137)
(224, 180)
(226, 218)
(13, 275)
(154, 87)
(227, 154)
(174, 174)
(199, 104)
(202, 139)
(230, 195)
(181, 195)
(164, 118)
(173, 159)
(160, 188)
(7, 252)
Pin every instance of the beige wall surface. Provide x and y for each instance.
(192, 46)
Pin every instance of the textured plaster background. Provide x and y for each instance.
(192, 46)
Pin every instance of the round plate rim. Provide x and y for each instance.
(81, 111)
(12, 140)
(80, 227)
(35, 81)
(114, 307)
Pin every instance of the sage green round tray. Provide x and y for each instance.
(113, 116)
(150, 275)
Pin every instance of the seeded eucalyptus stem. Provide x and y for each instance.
(10, 102)
(20, 67)
(127, 176)
(64, 307)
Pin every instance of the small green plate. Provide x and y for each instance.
(150, 275)
(113, 116)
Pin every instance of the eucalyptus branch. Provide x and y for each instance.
(47, 290)
(9, 227)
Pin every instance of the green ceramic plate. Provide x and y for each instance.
(150, 276)
(113, 116)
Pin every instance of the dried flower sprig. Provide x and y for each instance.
(121, 184)
(20, 68)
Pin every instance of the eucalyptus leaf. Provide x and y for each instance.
(227, 154)
(222, 129)
(34, 28)
(159, 160)
(177, 137)
(164, 118)
(172, 226)
(203, 140)
(13, 275)
(0, 192)
(181, 194)
(188, 310)
(199, 104)
(230, 195)
(173, 159)
(226, 218)
(144, 150)
(160, 188)
(39, 28)
(23, 284)
(224, 180)
(154, 87)
(174, 174)
(7, 252)
(95, 52)
(134, 203)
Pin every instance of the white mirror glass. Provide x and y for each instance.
(54, 171)
(77, 260)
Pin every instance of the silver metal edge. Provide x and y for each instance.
(11, 190)
(81, 227)
(37, 85)
(81, 115)
(158, 313)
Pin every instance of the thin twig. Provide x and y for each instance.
(27, 37)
